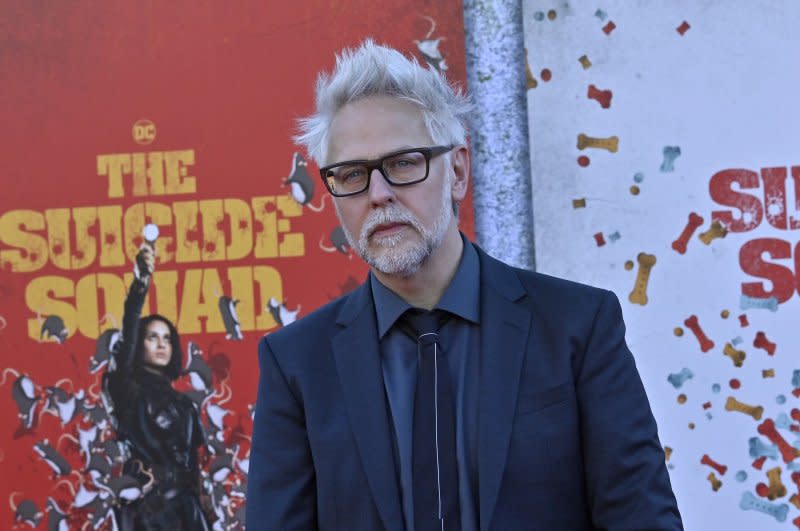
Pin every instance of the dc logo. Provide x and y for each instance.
(144, 132)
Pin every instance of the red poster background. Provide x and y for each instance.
(224, 79)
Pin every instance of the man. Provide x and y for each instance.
(518, 407)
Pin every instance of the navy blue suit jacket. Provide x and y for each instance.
(566, 436)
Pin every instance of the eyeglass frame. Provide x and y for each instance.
(377, 164)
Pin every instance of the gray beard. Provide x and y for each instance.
(391, 257)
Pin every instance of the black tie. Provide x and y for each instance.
(434, 470)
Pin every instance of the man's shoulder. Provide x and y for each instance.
(547, 288)
(545, 284)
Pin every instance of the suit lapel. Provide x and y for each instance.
(358, 363)
(504, 336)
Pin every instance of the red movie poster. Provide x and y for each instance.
(119, 115)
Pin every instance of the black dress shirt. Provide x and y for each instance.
(460, 341)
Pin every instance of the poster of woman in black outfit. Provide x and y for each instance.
(160, 426)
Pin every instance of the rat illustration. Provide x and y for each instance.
(282, 315)
(227, 308)
(99, 466)
(27, 512)
(55, 460)
(23, 392)
(86, 440)
(216, 414)
(301, 183)
(61, 403)
(222, 465)
(56, 518)
(103, 348)
(126, 488)
(115, 450)
(199, 397)
(198, 370)
(53, 327)
(429, 48)
(84, 497)
(339, 242)
(101, 509)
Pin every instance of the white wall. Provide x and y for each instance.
(726, 93)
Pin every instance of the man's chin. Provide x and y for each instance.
(380, 242)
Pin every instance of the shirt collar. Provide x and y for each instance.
(462, 296)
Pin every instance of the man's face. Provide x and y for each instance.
(394, 229)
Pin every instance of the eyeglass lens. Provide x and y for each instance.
(404, 168)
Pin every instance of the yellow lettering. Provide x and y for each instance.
(111, 236)
(178, 180)
(86, 303)
(42, 295)
(112, 302)
(134, 221)
(201, 290)
(161, 215)
(115, 166)
(264, 213)
(85, 244)
(241, 225)
(31, 249)
(292, 244)
(213, 238)
(187, 238)
(58, 237)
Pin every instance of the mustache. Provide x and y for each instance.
(388, 215)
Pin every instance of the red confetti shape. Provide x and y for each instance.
(762, 490)
(546, 75)
(683, 28)
(598, 237)
(762, 342)
(743, 321)
(694, 223)
(706, 460)
(583, 161)
(707, 405)
(694, 325)
(608, 28)
(758, 463)
(603, 97)
(768, 430)
(734, 383)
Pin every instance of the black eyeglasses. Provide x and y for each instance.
(401, 168)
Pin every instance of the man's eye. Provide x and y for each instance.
(350, 175)
(402, 163)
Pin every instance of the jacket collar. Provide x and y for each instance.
(505, 327)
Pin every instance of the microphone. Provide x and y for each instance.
(150, 234)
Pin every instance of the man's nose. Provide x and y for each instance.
(380, 191)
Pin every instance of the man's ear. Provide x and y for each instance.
(460, 164)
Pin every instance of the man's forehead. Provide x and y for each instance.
(373, 127)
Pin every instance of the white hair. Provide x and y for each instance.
(374, 70)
